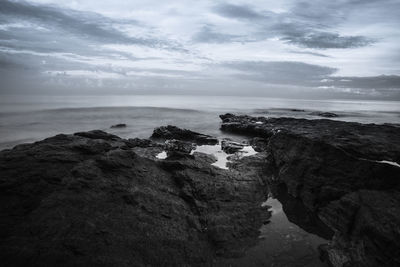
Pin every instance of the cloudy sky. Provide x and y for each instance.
(288, 48)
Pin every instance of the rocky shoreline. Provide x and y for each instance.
(345, 172)
(94, 199)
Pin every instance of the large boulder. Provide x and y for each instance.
(172, 132)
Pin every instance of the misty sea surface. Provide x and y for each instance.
(25, 119)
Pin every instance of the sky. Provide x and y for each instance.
(298, 49)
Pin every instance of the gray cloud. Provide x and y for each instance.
(309, 53)
(324, 40)
(84, 25)
(207, 34)
(314, 76)
(295, 27)
(387, 82)
(237, 11)
(295, 73)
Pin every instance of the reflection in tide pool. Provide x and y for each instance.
(283, 243)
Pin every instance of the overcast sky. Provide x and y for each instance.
(287, 48)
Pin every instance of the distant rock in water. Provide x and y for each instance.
(172, 132)
(120, 125)
(325, 114)
(336, 169)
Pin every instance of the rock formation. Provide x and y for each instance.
(345, 172)
(94, 199)
(173, 132)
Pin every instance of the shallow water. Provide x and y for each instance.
(282, 243)
(221, 157)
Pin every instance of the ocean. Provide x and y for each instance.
(26, 119)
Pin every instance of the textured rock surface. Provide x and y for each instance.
(94, 199)
(173, 132)
(231, 147)
(333, 168)
(369, 141)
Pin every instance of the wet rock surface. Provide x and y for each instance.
(334, 168)
(368, 141)
(173, 132)
(94, 199)
(231, 147)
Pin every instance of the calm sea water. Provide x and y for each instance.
(31, 118)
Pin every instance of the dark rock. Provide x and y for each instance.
(369, 141)
(97, 134)
(137, 142)
(370, 219)
(231, 147)
(177, 149)
(181, 146)
(333, 168)
(325, 114)
(63, 206)
(173, 132)
(259, 144)
(119, 125)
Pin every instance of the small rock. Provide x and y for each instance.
(179, 146)
(119, 125)
(231, 147)
(325, 114)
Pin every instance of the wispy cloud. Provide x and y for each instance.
(84, 25)
(208, 46)
(284, 72)
(293, 26)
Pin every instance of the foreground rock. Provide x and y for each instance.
(94, 199)
(173, 132)
(335, 169)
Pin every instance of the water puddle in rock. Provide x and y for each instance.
(282, 242)
(162, 155)
(221, 156)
